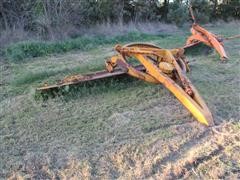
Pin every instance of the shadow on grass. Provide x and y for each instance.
(199, 50)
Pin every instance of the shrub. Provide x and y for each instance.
(229, 11)
(201, 10)
(178, 13)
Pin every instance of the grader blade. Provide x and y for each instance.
(78, 79)
(199, 34)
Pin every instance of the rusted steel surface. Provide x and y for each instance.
(191, 45)
(77, 79)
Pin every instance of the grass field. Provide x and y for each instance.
(119, 128)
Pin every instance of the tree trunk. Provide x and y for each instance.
(165, 10)
(5, 21)
(214, 12)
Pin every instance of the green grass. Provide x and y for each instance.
(119, 127)
(22, 50)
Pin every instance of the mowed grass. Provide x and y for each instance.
(119, 127)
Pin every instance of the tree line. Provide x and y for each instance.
(47, 16)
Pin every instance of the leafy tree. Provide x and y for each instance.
(229, 9)
(51, 18)
(178, 13)
(201, 10)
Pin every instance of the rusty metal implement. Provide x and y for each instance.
(158, 66)
(199, 34)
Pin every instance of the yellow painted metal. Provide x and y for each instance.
(159, 66)
(153, 58)
(199, 34)
(166, 67)
(202, 35)
(118, 60)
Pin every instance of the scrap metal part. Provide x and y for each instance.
(77, 79)
(200, 34)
